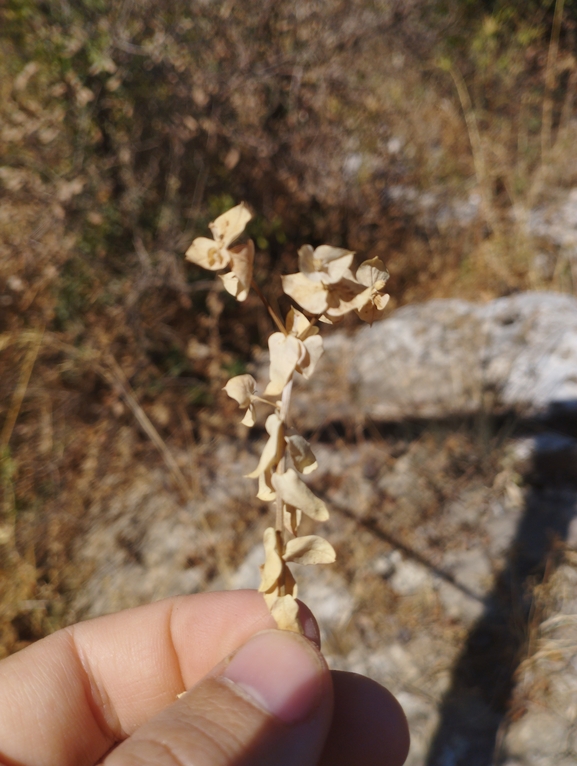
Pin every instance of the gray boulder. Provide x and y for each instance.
(448, 357)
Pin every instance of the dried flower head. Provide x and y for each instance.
(242, 389)
(326, 288)
(298, 349)
(373, 300)
(217, 253)
(322, 281)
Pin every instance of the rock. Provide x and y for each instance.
(133, 556)
(465, 600)
(445, 358)
(547, 679)
(556, 222)
(471, 569)
(501, 528)
(469, 507)
(248, 574)
(537, 738)
(406, 486)
(143, 543)
(390, 665)
(409, 577)
(460, 605)
(384, 565)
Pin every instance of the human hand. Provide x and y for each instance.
(105, 691)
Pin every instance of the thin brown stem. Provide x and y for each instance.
(21, 388)
(476, 147)
(279, 520)
(269, 308)
(256, 398)
(281, 467)
(546, 126)
(280, 549)
(114, 374)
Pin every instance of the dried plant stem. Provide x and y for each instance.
(547, 123)
(279, 521)
(279, 529)
(191, 452)
(284, 411)
(269, 308)
(285, 402)
(280, 548)
(476, 146)
(279, 526)
(115, 375)
(21, 387)
(568, 104)
(264, 401)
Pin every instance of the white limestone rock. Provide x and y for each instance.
(448, 357)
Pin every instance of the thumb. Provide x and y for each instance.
(270, 703)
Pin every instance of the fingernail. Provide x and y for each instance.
(281, 672)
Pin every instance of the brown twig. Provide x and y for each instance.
(21, 387)
(268, 307)
(547, 123)
(115, 375)
(476, 147)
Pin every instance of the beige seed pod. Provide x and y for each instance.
(215, 254)
(310, 549)
(301, 453)
(294, 491)
(242, 389)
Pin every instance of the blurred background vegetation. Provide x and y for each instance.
(126, 127)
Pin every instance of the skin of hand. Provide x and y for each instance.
(106, 691)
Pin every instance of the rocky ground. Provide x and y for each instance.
(454, 532)
(544, 714)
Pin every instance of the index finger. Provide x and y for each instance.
(70, 697)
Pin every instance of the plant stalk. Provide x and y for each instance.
(269, 308)
(547, 121)
(280, 469)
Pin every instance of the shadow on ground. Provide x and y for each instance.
(474, 711)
